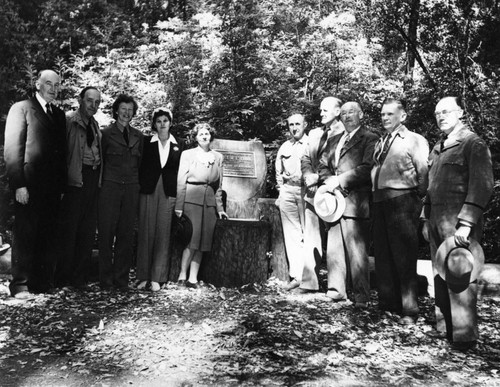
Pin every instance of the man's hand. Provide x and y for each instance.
(332, 183)
(426, 231)
(223, 215)
(462, 236)
(178, 213)
(311, 179)
(22, 195)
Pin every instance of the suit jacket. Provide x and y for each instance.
(121, 161)
(35, 148)
(352, 169)
(310, 160)
(76, 140)
(208, 178)
(460, 179)
(150, 169)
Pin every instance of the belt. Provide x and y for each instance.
(93, 167)
(293, 183)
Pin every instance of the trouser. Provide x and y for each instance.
(77, 228)
(291, 205)
(314, 239)
(118, 204)
(395, 242)
(33, 253)
(347, 257)
(456, 309)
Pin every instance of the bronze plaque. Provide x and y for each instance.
(238, 163)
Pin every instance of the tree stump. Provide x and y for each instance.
(279, 263)
(239, 253)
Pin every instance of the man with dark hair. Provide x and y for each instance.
(346, 166)
(399, 181)
(460, 186)
(119, 196)
(78, 217)
(36, 168)
(315, 233)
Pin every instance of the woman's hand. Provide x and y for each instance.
(178, 213)
(223, 215)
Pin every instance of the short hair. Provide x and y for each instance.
(400, 103)
(336, 101)
(158, 112)
(296, 114)
(202, 125)
(41, 72)
(123, 98)
(458, 100)
(357, 104)
(85, 89)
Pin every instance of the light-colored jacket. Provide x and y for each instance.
(207, 179)
(405, 166)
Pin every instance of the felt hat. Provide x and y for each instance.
(329, 206)
(182, 229)
(459, 265)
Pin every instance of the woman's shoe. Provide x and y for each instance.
(155, 286)
(181, 283)
(142, 285)
(192, 285)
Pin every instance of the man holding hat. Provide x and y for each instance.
(345, 167)
(460, 186)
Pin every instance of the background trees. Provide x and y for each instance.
(245, 65)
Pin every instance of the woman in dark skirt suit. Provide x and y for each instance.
(158, 182)
(199, 198)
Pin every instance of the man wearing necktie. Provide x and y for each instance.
(399, 181)
(78, 217)
(315, 232)
(346, 165)
(119, 195)
(460, 186)
(291, 198)
(35, 153)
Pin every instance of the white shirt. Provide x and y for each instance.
(42, 102)
(288, 160)
(163, 150)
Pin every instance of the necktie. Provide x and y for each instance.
(125, 135)
(386, 141)
(347, 138)
(49, 110)
(441, 143)
(322, 140)
(90, 134)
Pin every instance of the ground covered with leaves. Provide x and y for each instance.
(252, 336)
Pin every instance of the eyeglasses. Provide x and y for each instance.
(444, 113)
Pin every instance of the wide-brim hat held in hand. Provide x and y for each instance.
(329, 206)
(459, 265)
(182, 230)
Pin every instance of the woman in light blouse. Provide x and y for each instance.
(158, 190)
(199, 198)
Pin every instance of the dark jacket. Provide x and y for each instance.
(353, 170)
(35, 148)
(150, 169)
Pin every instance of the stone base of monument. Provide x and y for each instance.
(239, 253)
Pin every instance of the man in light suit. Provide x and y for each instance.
(346, 165)
(36, 168)
(78, 217)
(119, 196)
(314, 233)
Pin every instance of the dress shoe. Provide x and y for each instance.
(142, 285)
(335, 296)
(155, 286)
(192, 285)
(181, 283)
(436, 334)
(293, 284)
(24, 295)
(463, 345)
(303, 291)
(407, 320)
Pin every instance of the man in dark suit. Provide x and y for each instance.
(119, 197)
(78, 215)
(346, 165)
(36, 168)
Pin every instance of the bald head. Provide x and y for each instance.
(48, 85)
(351, 115)
(330, 110)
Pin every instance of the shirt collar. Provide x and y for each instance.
(171, 138)
(351, 135)
(301, 141)
(42, 102)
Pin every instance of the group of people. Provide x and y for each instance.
(70, 177)
(341, 187)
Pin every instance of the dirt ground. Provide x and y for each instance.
(258, 335)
